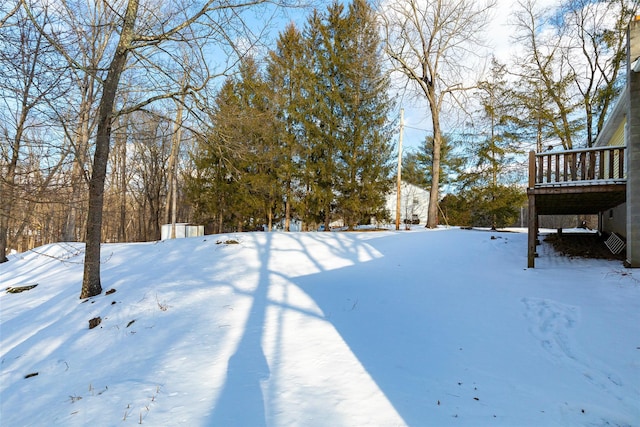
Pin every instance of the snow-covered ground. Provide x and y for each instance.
(416, 328)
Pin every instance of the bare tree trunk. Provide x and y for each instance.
(173, 170)
(287, 209)
(70, 226)
(91, 285)
(327, 216)
(432, 220)
(76, 202)
(122, 230)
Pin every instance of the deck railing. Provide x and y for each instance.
(577, 167)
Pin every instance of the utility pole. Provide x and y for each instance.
(398, 193)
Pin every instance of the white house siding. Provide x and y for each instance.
(414, 201)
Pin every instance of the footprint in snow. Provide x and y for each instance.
(551, 323)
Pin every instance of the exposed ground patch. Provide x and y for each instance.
(586, 245)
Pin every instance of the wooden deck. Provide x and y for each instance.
(575, 182)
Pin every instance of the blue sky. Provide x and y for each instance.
(417, 119)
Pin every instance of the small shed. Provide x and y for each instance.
(182, 230)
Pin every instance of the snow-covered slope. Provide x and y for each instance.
(413, 328)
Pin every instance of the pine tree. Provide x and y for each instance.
(490, 182)
(417, 165)
(321, 119)
(365, 150)
(258, 139)
(346, 131)
(414, 168)
(214, 190)
(286, 70)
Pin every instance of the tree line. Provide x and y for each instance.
(118, 116)
(307, 136)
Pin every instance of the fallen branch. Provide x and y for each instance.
(18, 289)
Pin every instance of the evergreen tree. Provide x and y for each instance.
(365, 151)
(259, 146)
(495, 206)
(347, 154)
(495, 152)
(286, 74)
(414, 168)
(320, 122)
(417, 165)
(236, 184)
(455, 209)
(213, 190)
(490, 181)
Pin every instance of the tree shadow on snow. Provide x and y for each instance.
(399, 332)
(241, 401)
(396, 332)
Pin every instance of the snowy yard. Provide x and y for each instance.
(409, 328)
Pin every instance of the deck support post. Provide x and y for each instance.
(532, 218)
(532, 231)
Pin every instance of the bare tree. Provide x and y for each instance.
(172, 193)
(91, 279)
(544, 66)
(430, 42)
(27, 78)
(595, 48)
(92, 31)
(8, 10)
(572, 56)
(151, 145)
(121, 175)
(148, 38)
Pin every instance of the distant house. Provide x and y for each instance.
(414, 204)
(602, 180)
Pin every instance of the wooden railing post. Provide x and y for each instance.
(601, 156)
(532, 169)
(591, 170)
(612, 165)
(621, 171)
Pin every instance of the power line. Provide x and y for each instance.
(415, 128)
